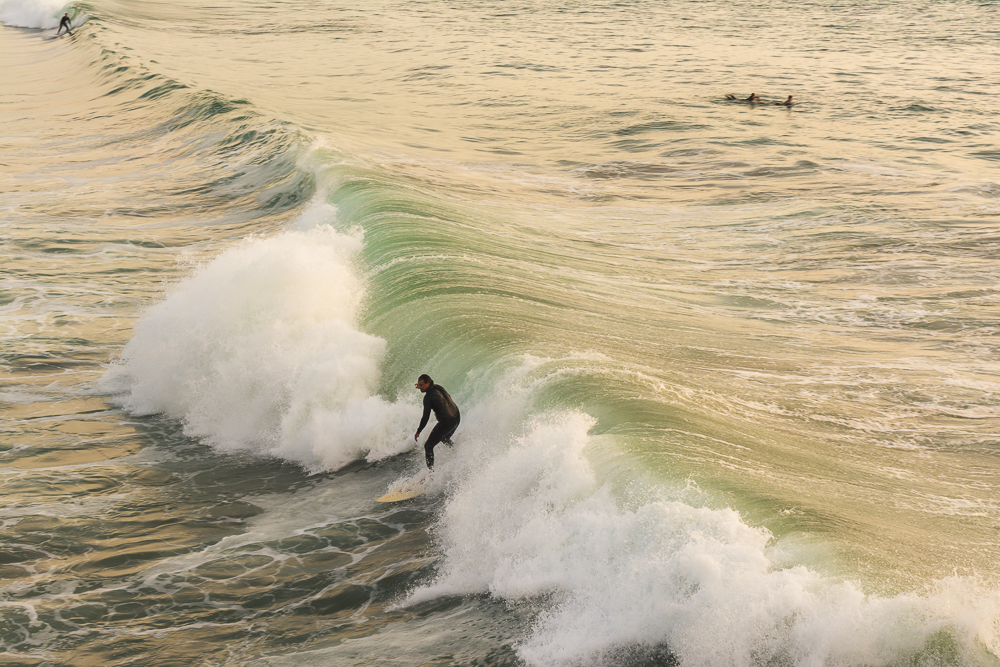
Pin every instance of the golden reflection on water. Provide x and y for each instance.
(693, 241)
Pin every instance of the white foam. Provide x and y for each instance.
(32, 13)
(259, 350)
(529, 520)
(22, 398)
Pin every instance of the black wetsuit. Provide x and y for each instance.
(65, 23)
(448, 418)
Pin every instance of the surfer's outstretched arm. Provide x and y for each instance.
(423, 420)
(423, 386)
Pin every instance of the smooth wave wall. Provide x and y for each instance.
(258, 350)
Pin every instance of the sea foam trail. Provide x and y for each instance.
(32, 13)
(259, 351)
(528, 519)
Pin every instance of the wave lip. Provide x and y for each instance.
(259, 351)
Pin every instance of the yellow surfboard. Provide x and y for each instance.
(407, 488)
(396, 496)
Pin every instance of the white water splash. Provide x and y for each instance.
(529, 520)
(259, 351)
(32, 13)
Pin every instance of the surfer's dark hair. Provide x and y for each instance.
(426, 379)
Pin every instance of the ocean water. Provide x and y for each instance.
(729, 373)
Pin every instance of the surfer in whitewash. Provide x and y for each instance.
(65, 23)
(438, 401)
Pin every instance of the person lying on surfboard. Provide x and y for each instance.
(753, 98)
(448, 417)
(65, 23)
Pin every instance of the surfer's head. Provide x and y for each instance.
(424, 382)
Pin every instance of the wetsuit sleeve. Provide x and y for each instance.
(427, 412)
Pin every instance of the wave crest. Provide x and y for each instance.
(33, 13)
(259, 351)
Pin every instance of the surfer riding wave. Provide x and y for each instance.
(65, 23)
(436, 399)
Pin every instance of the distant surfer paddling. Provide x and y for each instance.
(436, 399)
(65, 23)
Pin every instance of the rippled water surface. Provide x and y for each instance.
(728, 372)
